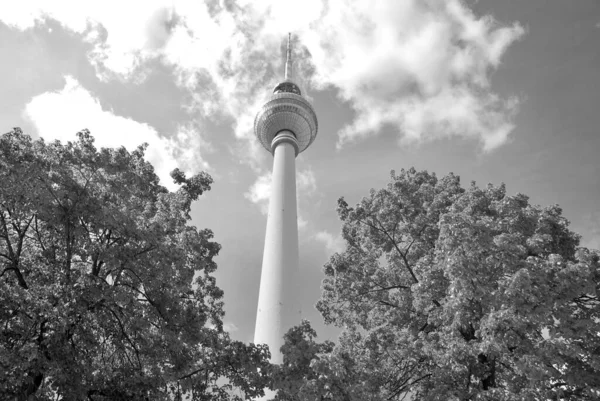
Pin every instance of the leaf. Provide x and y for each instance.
(446, 293)
(106, 289)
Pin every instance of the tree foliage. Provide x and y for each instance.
(106, 291)
(319, 371)
(447, 293)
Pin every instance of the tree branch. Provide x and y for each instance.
(191, 374)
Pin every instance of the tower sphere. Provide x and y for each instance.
(286, 109)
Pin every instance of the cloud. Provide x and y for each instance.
(306, 187)
(230, 327)
(260, 192)
(332, 243)
(421, 67)
(306, 182)
(451, 112)
(60, 115)
(121, 31)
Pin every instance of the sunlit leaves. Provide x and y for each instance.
(106, 290)
(447, 293)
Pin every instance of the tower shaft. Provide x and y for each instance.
(285, 125)
(280, 256)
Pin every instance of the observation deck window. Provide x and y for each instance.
(287, 87)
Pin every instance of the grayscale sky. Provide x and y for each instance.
(494, 91)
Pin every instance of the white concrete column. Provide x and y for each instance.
(280, 256)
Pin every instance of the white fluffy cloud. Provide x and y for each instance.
(123, 32)
(260, 192)
(306, 182)
(230, 327)
(60, 115)
(422, 67)
(419, 66)
(306, 186)
(332, 243)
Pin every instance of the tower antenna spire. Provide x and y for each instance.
(289, 73)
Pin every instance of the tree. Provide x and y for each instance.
(106, 291)
(452, 294)
(313, 371)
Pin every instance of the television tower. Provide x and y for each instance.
(285, 125)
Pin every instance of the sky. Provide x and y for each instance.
(494, 91)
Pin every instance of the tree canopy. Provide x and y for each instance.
(106, 290)
(446, 293)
